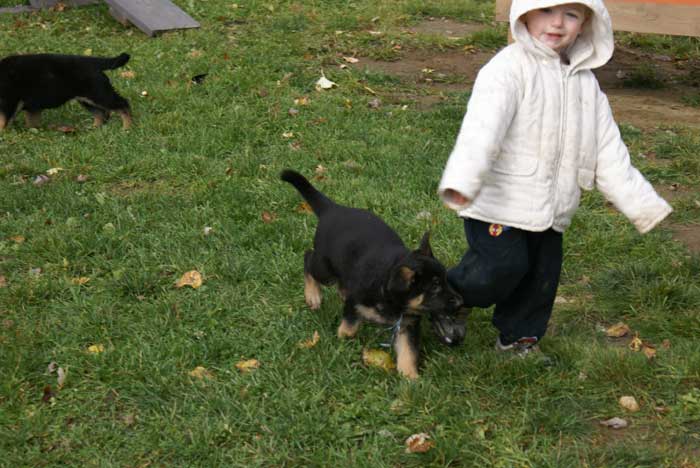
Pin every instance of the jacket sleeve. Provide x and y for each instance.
(620, 182)
(492, 105)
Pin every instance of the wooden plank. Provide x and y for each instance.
(675, 17)
(151, 16)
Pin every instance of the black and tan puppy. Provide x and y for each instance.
(42, 81)
(380, 279)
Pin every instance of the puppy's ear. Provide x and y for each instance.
(424, 247)
(401, 278)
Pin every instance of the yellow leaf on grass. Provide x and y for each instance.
(312, 342)
(618, 330)
(96, 349)
(629, 403)
(636, 343)
(128, 74)
(649, 350)
(80, 280)
(419, 443)
(304, 208)
(17, 239)
(201, 373)
(247, 365)
(191, 278)
(378, 358)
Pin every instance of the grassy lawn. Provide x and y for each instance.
(89, 260)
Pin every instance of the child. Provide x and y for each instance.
(537, 130)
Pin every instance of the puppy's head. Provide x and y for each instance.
(419, 283)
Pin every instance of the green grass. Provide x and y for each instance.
(209, 156)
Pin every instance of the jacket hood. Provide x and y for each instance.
(593, 48)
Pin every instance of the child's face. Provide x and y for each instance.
(556, 27)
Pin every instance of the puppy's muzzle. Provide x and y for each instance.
(450, 325)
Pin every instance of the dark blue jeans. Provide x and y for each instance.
(516, 270)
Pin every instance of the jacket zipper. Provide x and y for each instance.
(562, 133)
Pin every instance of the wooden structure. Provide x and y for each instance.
(676, 17)
(150, 16)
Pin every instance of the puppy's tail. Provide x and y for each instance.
(110, 63)
(318, 201)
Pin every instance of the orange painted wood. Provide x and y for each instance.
(676, 17)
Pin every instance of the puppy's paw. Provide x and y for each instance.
(312, 293)
(410, 372)
(347, 329)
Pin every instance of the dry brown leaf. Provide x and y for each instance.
(192, 278)
(649, 351)
(629, 403)
(201, 373)
(61, 377)
(618, 330)
(3, 281)
(17, 239)
(666, 344)
(302, 101)
(247, 365)
(194, 53)
(636, 343)
(311, 342)
(128, 74)
(351, 59)
(268, 217)
(419, 443)
(378, 358)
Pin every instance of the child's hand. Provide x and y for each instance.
(455, 197)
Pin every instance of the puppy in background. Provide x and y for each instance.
(379, 278)
(43, 81)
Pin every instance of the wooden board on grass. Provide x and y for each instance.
(151, 16)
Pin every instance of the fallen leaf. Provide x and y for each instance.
(649, 350)
(192, 278)
(247, 365)
(41, 179)
(302, 101)
(666, 344)
(636, 343)
(61, 378)
(52, 367)
(3, 281)
(614, 423)
(419, 443)
(292, 111)
(351, 59)
(378, 358)
(207, 230)
(268, 217)
(87, 52)
(311, 342)
(201, 373)
(304, 207)
(288, 135)
(324, 83)
(194, 53)
(374, 103)
(17, 239)
(96, 349)
(80, 280)
(66, 129)
(48, 394)
(629, 403)
(618, 330)
(81, 178)
(128, 74)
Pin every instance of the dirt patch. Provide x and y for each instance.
(688, 235)
(446, 27)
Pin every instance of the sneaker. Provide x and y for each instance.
(521, 348)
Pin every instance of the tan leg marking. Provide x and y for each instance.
(312, 292)
(347, 330)
(416, 303)
(370, 314)
(3, 121)
(406, 358)
(98, 120)
(32, 119)
(126, 119)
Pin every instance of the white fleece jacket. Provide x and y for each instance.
(537, 130)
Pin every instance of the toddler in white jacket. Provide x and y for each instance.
(538, 129)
